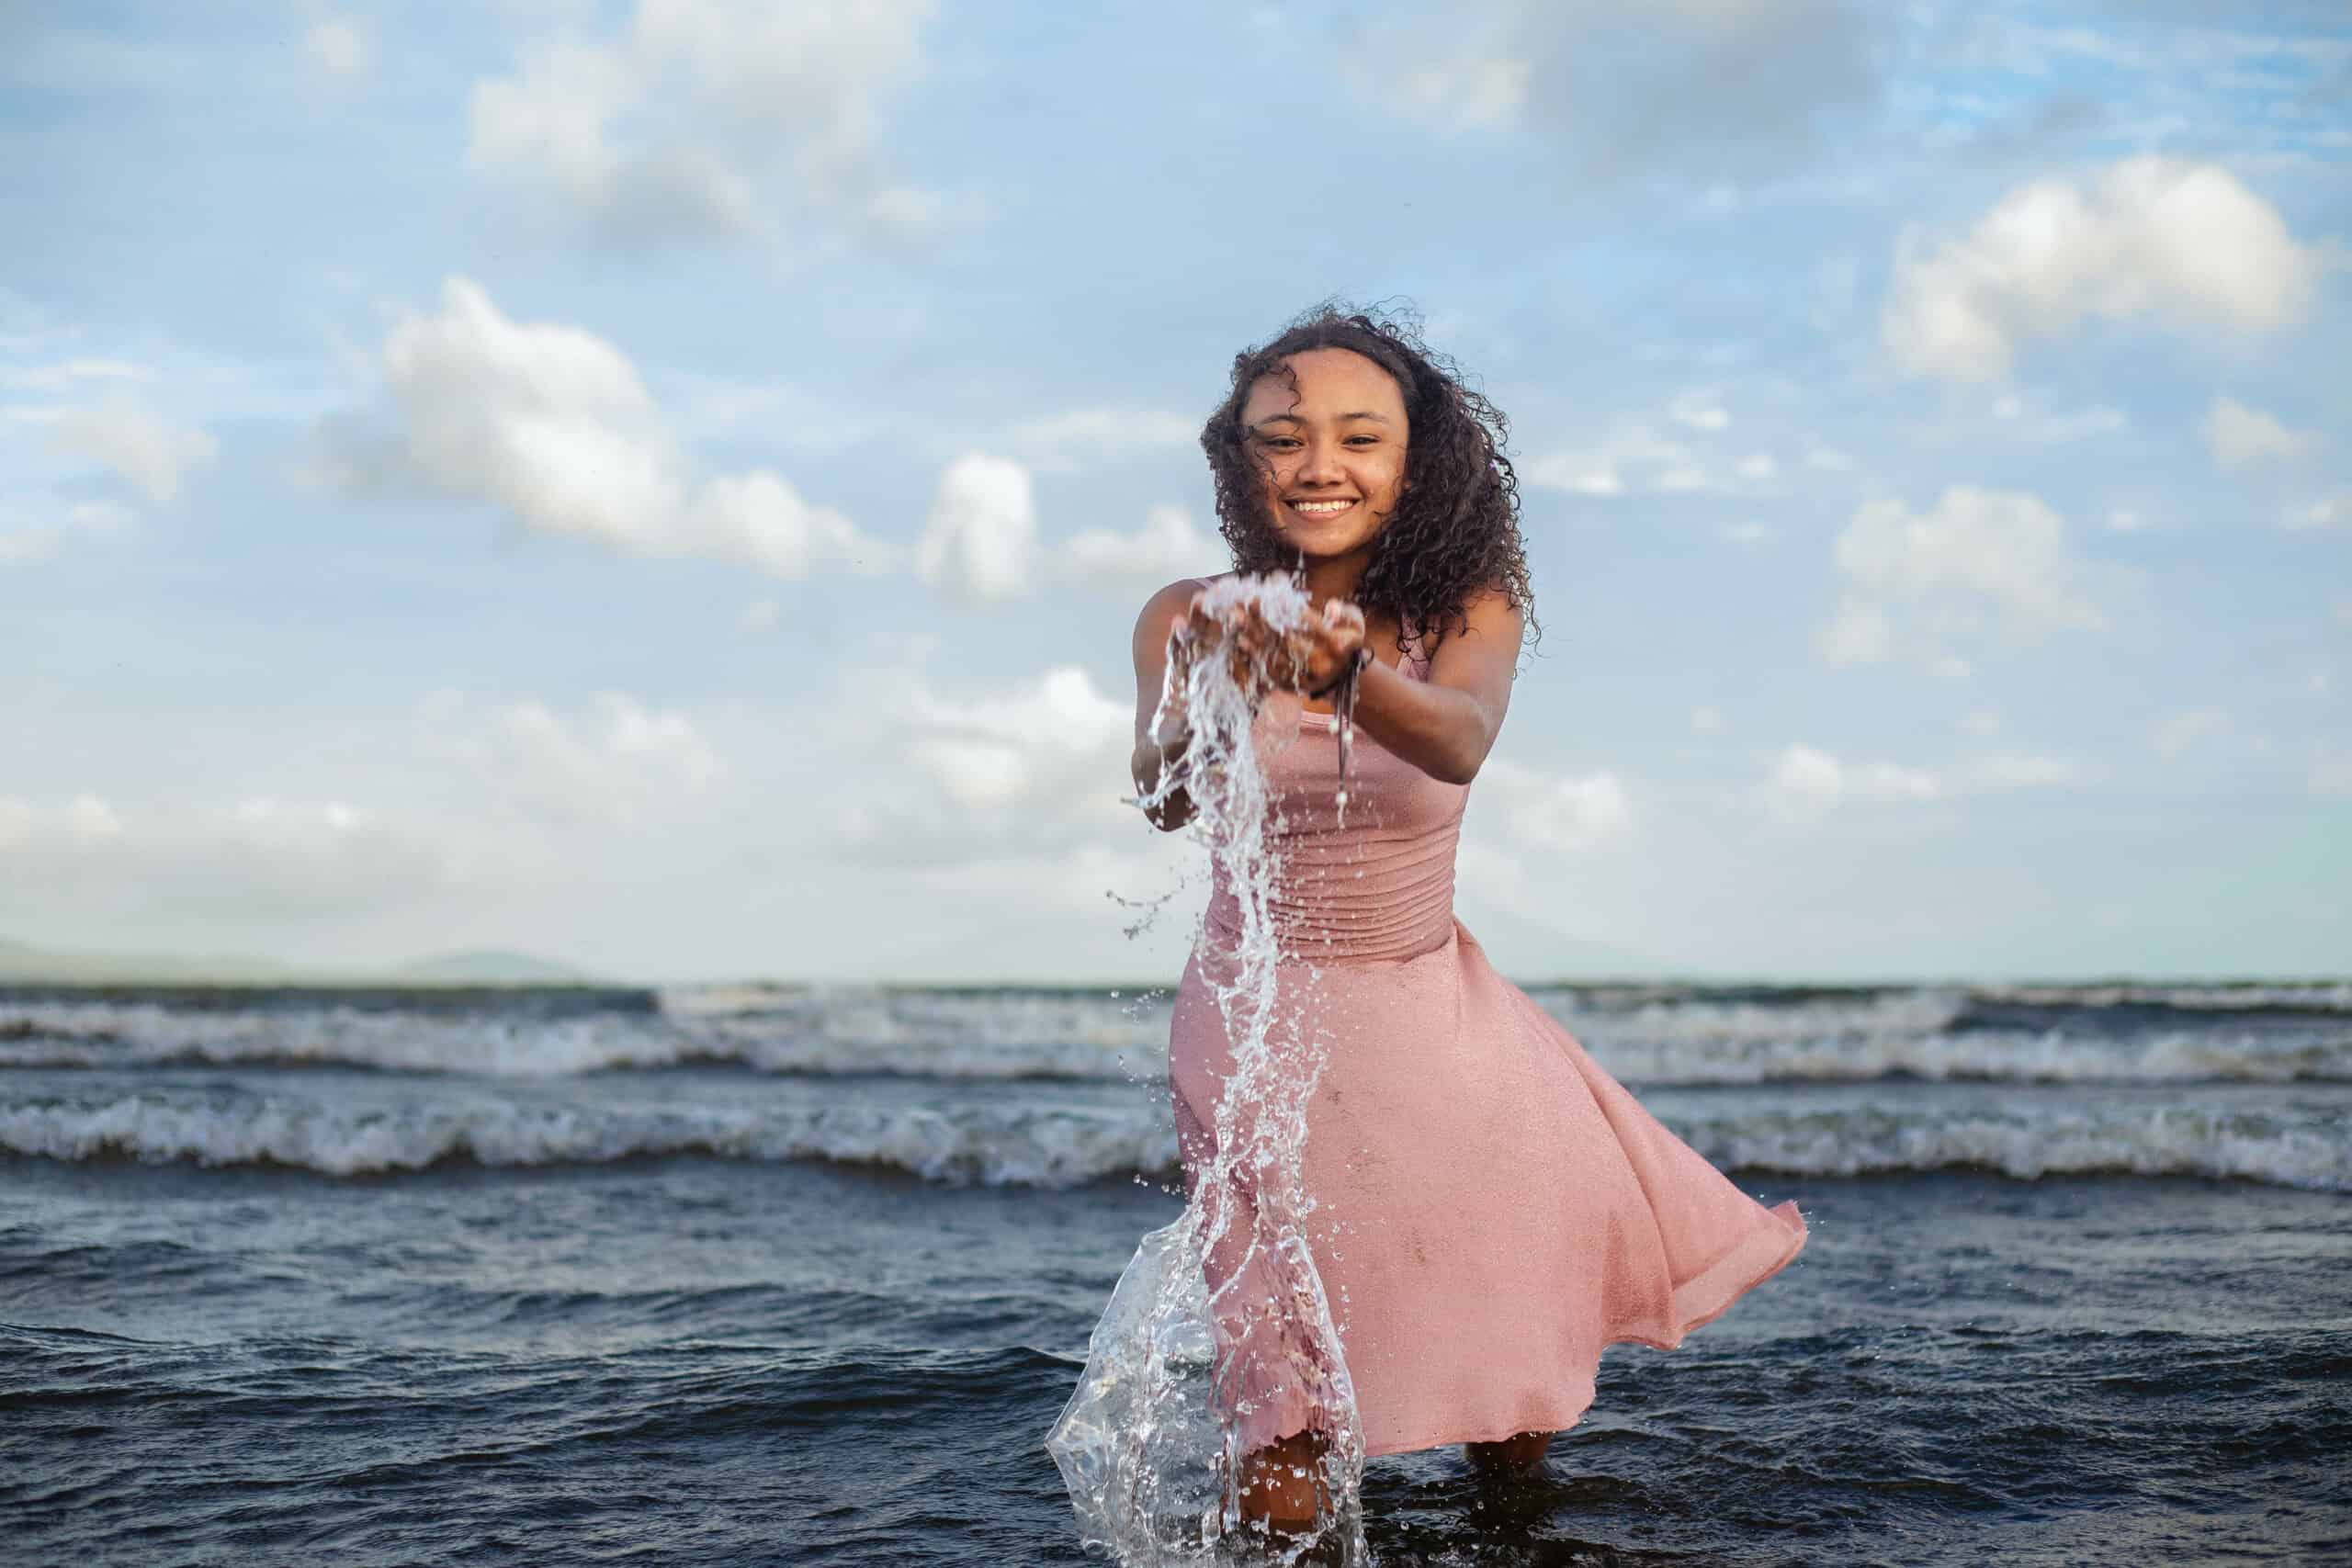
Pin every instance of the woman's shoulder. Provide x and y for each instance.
(1163, 610)
(1175, 599)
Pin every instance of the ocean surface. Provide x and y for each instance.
(788, 1275)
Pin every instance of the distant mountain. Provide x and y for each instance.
(492, 966)
(22, 964)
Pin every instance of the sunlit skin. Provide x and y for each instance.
(1331, 440)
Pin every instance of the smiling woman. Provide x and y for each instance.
(1487, 1209)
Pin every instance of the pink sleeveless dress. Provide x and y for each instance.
(1492, 1208)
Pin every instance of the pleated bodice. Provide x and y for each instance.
(1372, 881)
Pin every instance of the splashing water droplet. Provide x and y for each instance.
(1151, 1444)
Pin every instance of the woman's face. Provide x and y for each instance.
(1332, 451)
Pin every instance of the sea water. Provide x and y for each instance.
(1151, 1442)
(789, 1271)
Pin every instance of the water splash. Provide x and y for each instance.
(1219, 1328)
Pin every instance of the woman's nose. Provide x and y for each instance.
(1320, 463)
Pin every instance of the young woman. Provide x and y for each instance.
(1491, 1208)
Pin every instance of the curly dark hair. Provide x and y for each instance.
(1455, 530)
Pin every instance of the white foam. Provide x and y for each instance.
(836, 1030)
(1015, 1145)
(995, 1147)
(2278, 1146)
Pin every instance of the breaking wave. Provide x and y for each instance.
(1011, 1145)
(1645, 1037)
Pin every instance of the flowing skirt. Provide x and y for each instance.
(1491, 1208)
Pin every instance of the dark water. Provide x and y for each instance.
(781, 1276)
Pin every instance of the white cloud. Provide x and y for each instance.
(2182, 732)
(339, 45)
(1806, 776)
(1633, 457)
(261, 855)
(1018, 770)
(709, 118)
(2019, 415)
(2150, 235)
(2327, 511)
(1577, 473)
(2125, 519)
(1169, 545)
(2238, 435)
(150, 453)
(1567, 813)
(2025, 772)
(71, 374)
(982, 533)
(1059, 711)
(1858, 633)
(28, 544)
(1747, 533)
(1750, 82)
(1700, 410)
(624, 764)
(1942, 567)
(1113, 428)
(552, 425)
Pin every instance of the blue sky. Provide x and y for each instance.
(666, 484)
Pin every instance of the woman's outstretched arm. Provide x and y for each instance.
(1155, 751)
(1446, 725)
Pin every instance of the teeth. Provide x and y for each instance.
(1321, 506)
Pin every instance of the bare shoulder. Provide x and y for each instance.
(1159, 611)
(1490, 615)
(1491, 632)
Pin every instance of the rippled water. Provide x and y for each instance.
(558, 1278)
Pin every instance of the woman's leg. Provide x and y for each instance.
(1282, 1483)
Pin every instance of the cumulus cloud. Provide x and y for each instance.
(1633, 457)
(261, 855)
(1707, 89)
(151, 454)
(2025, 770)
(1566, 813)
(1808, 776)
(2238, 435)
(552, 425)
(982, 532)
(1021, 771)
(1169, 544)
(624, 762)
(2179, 734)
(1942, 570)
(706, 118)
(1003, 748)
(2149, 236)
(1116, 429)
(2327, 511)
(339, 45)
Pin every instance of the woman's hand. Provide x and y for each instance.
(1306, 658)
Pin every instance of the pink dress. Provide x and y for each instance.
(1492, 1208)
